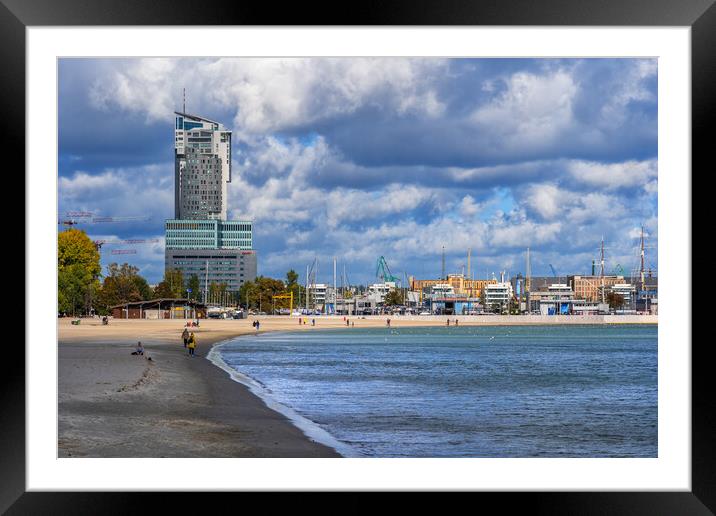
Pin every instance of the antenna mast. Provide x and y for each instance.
(528, 273)
(442, 275)
(601, 274)
(183, 104)
(641, 270)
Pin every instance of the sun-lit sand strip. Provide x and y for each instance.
(114, 404)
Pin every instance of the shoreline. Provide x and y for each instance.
(113, 404)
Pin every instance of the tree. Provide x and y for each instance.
(194, 286)
(259, 293)
(217, 292)
(78, 271)
(393, 298)
(172, 286)
(616, 301)
(292, 285)
(122, 284)
(291, 278)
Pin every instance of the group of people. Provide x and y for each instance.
(448, 322)
(256, 324)
(189, 341)
(304, 320)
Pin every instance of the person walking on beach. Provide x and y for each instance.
(448, 322)
(387, 322)
(313, 322)
(191, 344)
(348, 322)
(185, 336)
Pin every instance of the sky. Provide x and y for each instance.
(357, 158)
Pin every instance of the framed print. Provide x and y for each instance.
(404, 250)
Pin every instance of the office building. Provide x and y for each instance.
(202, 167)
(199, 239)
(216, 251)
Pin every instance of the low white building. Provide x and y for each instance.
(498, 294)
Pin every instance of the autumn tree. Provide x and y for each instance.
(172, 286)
(122, 284)
(78, 271)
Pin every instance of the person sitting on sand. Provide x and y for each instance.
(139, 350)
(185, 336)
(191, 344)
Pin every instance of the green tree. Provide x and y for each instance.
(78, 271)
(194, 286)
(259, 293)
(292, 285)
(393, 298)
(172, 286)
(121, 285)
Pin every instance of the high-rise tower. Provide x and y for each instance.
(199, 240)
(202, 167)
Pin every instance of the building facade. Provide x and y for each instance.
(199, 239)
(498, 295)
(590, 287)
(202, 167)
(460, 284)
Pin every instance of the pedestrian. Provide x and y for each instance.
(299, 321)
(353, 324)
(455, 322)
(348, 322)
(313, 322)
(191, 344)
(448, 322)
(258, 325)
(387, 322)
(185, 336)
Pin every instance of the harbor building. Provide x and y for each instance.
(498, 295)
(460, 284)
(199, 239)
(589, 287)
(202, 167)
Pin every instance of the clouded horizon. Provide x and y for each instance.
(359, 158)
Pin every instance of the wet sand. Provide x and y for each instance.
(114, 404)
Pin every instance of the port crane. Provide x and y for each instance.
(383, 272)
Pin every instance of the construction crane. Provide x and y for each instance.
(132, 241)
(554, 272)
(76, 217)
(383, 272)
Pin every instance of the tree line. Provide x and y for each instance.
(83, 289)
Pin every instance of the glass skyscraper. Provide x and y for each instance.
(199, 239)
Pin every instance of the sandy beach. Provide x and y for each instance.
(114, 404)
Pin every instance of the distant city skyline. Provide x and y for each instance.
(361, 158)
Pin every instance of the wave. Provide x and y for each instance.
(310, 429)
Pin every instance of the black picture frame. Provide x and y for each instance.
(700, 15)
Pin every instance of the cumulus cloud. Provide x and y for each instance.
(358, 158)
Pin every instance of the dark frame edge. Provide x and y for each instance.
(703, 107)
(12, 393)
(702, 498)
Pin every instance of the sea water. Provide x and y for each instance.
(500, 391)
